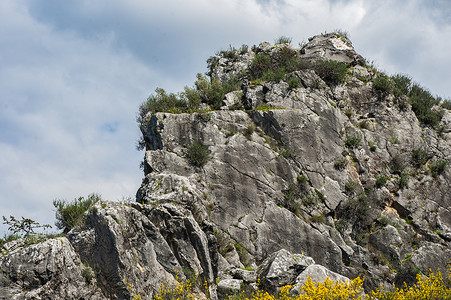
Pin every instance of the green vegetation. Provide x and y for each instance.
(250, 129)
(352, 142)
(318, 218)
(212, 91)
(422, 102)
(287, 153)
(209, 91)
(340, 33)
(356, 208)
(403, 180)
(419, 157)
(331, 71)
(187, 101)
(243, 254)
(294, 82)
(266, 67)
(341, 164)
(446, 104)
(267, 107)
(433, 286)
(8, 238)
(363, 124)
(231, 53)
(394, 139)
(25, 227)
(397, 164)
(276, 65)
(197, 154)
(382, 84)
(372, 146)
(419, 98)
(70, 214)
(438, 167)
(296, 191)
(401, 84)
(350, 187)
(381, 180)
(283, 40)
(87, 273)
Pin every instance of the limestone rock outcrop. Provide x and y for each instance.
(303, 176)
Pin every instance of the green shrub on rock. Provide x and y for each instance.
(70, 214)
(382, 84)
(381, 180)
(422, 102)
(197, 154)
(419, 157)
(438, 167)
(331, 71)
(401, 84)
(352, 142)
(283, 40)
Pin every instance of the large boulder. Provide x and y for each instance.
(316, 273)
(48, 270)
(281, 268)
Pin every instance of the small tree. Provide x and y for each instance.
(25, 227)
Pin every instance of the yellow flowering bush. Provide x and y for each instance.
(435, 286)
(432, 287)
(327, 290)
(180, 291)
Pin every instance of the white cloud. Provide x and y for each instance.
(402, 37)
(61, 95)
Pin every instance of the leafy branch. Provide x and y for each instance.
(25, 227)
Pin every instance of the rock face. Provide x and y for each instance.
(45, 271)
(313, 179)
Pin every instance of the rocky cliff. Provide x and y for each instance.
(315, 164)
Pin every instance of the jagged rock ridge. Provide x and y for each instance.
(319, 178)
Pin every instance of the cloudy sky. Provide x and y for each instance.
(73, 73)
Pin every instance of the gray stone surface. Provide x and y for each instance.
(281, 268)
(49, 270)
(281, 181)
(228, 287)
(316, 273)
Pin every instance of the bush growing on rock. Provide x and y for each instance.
(381, 180)
(422, 102)
(382, 84)
(70, 214)
(331, 71)
(164, 102)
(403, 180)
(268, 67)
(438, 167)
(352, 142)
(397, 164)
(8, 238)
(446, 104)
(419, 157)
(401, 84)
(283, 40)
(197, 154)
(340, 164)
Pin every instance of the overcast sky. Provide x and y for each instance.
(73, 73)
